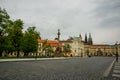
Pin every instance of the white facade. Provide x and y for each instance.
(77, 46)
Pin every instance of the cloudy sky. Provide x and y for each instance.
(101, 18)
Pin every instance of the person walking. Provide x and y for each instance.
(116, 57)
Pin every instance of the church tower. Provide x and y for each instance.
(58, 49)
(58, 34)
(90, 42)
(86, 39)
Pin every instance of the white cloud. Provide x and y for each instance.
(71, 16)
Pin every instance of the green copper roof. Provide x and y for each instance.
(90, 38)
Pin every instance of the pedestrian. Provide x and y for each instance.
(116, 57)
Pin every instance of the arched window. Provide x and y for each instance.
(99, 52)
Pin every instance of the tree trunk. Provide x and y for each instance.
(0, 54)
(25, 54)
(18, 53)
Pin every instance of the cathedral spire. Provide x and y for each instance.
(85, 38)
(80, 36)
(90, 42)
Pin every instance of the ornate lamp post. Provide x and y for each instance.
(116, 47)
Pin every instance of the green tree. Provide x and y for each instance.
(30, 41)
(16, 34)
(4, 20)
(49, 50)
(67, 48)
(8, 47)
(44, 46)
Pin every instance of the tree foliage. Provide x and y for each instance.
(4, 19)
(47, 48)
(16, 34)
(67, 48)
(12, 38)
(29, 41)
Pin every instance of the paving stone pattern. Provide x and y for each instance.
(116, 71)
(64, 69)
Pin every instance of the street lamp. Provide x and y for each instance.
(116, 47)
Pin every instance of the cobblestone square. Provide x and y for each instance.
(75, 68)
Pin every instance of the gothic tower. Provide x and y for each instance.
(90, 42)
(85, 39)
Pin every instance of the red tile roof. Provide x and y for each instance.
(52, 43)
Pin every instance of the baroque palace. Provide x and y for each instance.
(78, 46)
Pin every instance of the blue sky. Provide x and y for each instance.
(101, 18)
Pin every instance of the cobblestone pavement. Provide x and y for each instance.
(115, 73)
(63, 69)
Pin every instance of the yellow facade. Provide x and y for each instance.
(101, 50)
